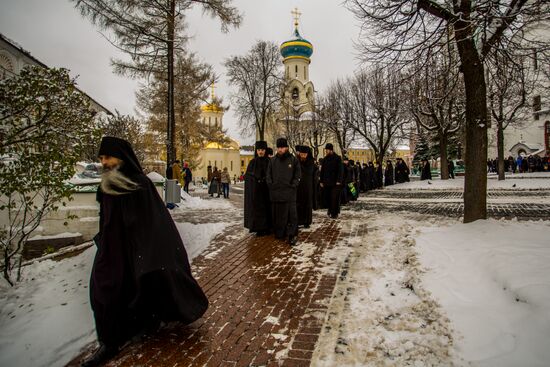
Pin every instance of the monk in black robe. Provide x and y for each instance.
(141, 274)
(388, 174)
(306, 187)
(331, 179)
(426, 173)
(257, 204)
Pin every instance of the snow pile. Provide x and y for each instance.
(493, 280)
(155, 177)
(191, 202)
(533, 181)
(46, 319)
(196, 237)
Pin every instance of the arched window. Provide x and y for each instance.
(305, 74)
(295, 93)
(7, 67)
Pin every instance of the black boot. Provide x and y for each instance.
(292, 240)
(100, 356)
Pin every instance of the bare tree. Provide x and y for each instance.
(151, 33)
(128, 128)
(437, 101)
(406, 30)
(379, 114)
(318, 133)
(509, 80)
(257, 76)
(337, 113)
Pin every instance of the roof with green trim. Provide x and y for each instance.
(296, 47)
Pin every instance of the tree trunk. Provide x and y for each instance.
(171, 123)
(475, 183)
(500, 149)
(444, 169)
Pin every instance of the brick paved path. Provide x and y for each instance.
(267, 304)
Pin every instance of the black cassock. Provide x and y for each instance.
(426, 173)
(257, 205)
(141, 272)
(388, 175)
(306, 192)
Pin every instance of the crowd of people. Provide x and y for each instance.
(282, 190)
(521, 164)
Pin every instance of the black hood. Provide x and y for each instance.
(121, 149)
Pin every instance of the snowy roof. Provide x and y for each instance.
(40, 63)
(246, 152)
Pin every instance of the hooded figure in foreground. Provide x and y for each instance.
(141, 274)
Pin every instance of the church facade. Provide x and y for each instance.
(216, 154)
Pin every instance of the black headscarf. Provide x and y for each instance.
(121, 149)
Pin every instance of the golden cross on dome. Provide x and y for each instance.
(213, 86)
(296, 15)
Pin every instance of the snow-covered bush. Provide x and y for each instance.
(46, 124)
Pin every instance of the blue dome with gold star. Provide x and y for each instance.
(296, 48)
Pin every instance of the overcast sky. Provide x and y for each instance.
(54, 32)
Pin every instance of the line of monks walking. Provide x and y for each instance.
(282, 190)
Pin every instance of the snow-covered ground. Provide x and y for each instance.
(492, 278)
(527, 181)
(426, 291)
(46, 318)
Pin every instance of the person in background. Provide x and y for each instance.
(225, 179)
(451, 166)
(176, 172)
(331, 180)
(187, 177)
(306, 189)
(215, 183)
(388, 174)
(426, 173)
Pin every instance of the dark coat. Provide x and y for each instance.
(426, 172)
(388, 175)
(372, 176)
(332, 171)
(379, 177)
(214, 187)
(306, 192)
(257, 204)
(364, 178)
(141, 267)
(283, 177)
(316, 188)
(401, 172)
